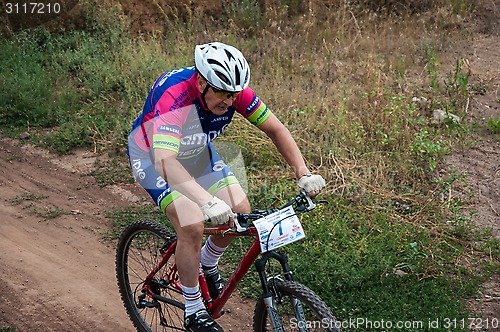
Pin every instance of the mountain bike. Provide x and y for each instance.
(151, 291)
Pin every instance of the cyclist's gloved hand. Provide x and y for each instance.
(217, 211)
(312, 183)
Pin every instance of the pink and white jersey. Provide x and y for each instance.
(174, 116)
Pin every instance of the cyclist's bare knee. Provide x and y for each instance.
(187, 219)
(235, 196)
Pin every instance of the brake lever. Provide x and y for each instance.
(310, 203)
(238, 228)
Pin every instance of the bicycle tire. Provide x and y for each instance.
(318, 316)
(139, 251)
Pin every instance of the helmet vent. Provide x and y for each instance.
(229, 55)
(222, 77)
(237, 75)
(214, 62)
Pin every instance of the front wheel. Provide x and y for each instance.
(297, 308)
(153, 302)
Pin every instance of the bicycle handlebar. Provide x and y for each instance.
(302, 202)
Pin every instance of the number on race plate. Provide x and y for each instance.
(279, 229)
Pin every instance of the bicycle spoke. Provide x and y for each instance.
(140, 251)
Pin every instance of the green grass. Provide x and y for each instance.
(25, 197)
(114, 171)
(8, 329)
(493, 124)
(387, 246)
(47, 213)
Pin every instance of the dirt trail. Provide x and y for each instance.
(57, 274)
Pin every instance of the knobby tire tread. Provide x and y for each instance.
(302, 293)
(139, 225)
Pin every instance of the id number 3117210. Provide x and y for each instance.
(34, 8)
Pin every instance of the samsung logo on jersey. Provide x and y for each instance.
(168, 129)
(252, 105)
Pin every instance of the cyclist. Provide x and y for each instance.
(172, 158)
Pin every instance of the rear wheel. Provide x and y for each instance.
(298, 309)
(153, 304)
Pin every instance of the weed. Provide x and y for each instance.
(457, 85)
(27, 197)
(111, 172)
(15, 157)
(432, 66)
(47, 213)
(246, 14)
(8, 329)
(494, 124)
(123, 217)
(430, 149)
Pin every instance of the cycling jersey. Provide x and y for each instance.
(174, 118)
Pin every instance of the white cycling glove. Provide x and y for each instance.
(217, 211)
(311, 182)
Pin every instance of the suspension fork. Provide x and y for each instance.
(268, 298)
(260, 265)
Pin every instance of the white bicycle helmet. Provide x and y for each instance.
(223, 66)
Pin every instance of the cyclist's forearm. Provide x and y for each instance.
(179, 178)
(290, 151)
(285, 144)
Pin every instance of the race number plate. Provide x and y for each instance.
(279, 229)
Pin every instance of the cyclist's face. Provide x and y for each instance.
(218, 101)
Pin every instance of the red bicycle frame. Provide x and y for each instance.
(303, 204)
(244, 265)
(214, 306)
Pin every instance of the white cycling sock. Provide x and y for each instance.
(192, 296)
(210, 254)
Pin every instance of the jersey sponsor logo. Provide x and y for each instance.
(263, 114)
(196, 119)
(218, 166)
(182, 100)
(191, 152)
(162, 195)
(252, 106)
(138, 170)
(169, 129)
(220, 118)
(167, 75)
(195, 139)
(161, 183)
(202, 138)
(163, 143)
